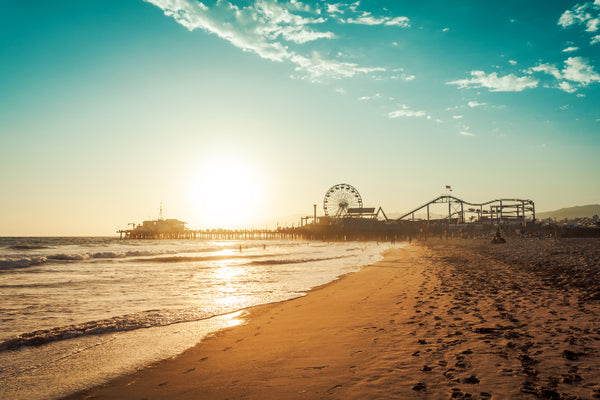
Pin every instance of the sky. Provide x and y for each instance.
(244, 113)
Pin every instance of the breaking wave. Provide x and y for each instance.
(21, 262)
(144, 319)
(296, 261)
(28, 247)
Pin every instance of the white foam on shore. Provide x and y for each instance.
(61, 368)
(212, 284)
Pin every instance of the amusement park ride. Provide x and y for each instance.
(346, 217)
(344, 201)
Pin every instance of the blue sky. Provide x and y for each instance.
(243, 113)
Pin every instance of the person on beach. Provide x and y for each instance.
(497, 239)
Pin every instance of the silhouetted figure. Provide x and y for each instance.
(497, 239)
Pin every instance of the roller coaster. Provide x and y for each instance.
(493, 211)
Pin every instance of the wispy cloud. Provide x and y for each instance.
(270, 30)
(566, 87)
(320, 68)
(474, 104)
(570, 49)
(586, 15)
(374, 97)
(576, 71)
(465, 133)
(495, 83)
(405, 111)
(549, 69)
(401, 75)
(367, 19)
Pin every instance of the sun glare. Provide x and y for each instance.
(225, 193)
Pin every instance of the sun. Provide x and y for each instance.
(226, 193)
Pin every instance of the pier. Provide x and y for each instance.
(214, 234)
(345, 218)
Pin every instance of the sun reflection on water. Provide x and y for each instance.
(227, 271)
(234, 319)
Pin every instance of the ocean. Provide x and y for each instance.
(78, 311)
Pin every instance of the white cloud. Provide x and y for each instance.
(250, 28)
(319, 68)
(566, 87)
(403, 77)
(578, 70)
(333, 8)
(593, 25)
(495, 83)
(367, 19)
(595, 39)
(464, 133)
(376, 96)
(405, 111)
(586, 15)
(549, 69)
(297, 5)
(474, 104)
(445, 29)
(570, 49)
(457, 116)
(512, 62)
(266, 28)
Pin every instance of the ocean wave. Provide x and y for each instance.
(177, 259)
(296, 261)
(68, 257)
(28, 247)
(145, 319)
(21, 262)
(108, 254)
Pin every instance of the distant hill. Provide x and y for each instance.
(571, 212)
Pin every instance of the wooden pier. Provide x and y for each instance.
(215, 234)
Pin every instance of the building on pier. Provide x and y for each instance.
(157, 229)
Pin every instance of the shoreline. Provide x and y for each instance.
(317, 355)
(442, 319)
(84, 360)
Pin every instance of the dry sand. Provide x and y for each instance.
(442, 319)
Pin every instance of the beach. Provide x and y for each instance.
(78, 312)
(441, 319)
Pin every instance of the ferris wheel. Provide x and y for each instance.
(340, 198)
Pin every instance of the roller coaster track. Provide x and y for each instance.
(496, 206)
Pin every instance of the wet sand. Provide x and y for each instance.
(442, 319)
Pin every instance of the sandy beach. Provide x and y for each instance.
(441, 319)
